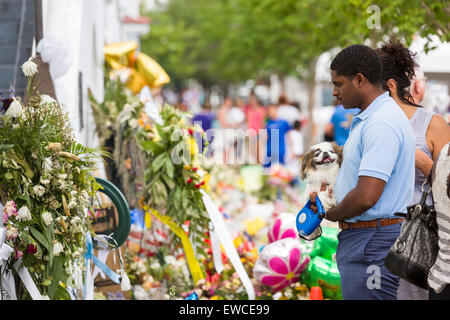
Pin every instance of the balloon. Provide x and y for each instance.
(192, 296)
(324, 273)
(143, 69)
(152, 72)
(326, 245)
(308, 247)
(280, 263)
(283, 227)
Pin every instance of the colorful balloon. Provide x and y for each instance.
(324, 273)
(326, 245)
(283, 227)
(281, 263)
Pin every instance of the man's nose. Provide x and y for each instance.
(335, 92)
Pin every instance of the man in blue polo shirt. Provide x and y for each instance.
(376, 178)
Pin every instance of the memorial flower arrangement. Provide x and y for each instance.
(46, 186)
(172, 181)
(158, 162)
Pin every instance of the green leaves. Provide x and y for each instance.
(159, 161)
(6, 147)
(57, 272)
(40, 237)
(152, 147)
(169, 167)
(222, 42)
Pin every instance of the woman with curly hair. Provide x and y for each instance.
(432, 133)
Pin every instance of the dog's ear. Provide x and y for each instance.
(339, 152)
(306, 163)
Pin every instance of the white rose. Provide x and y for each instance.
(170, 260)
(61, 218)
(62, 176)
(72, 204)
(133, 123)
(29, 68)
(201, 173)
(45, 181)
(155, 265)
(128, 108)
(47, 217)
(24, 214)
(75, 220)
(47, 164)
(46, 99)
(84, 195)
(15, 109)
(77, 253)
(39, 190)
(57, 248)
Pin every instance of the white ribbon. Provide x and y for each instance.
(8, 283)
(27, 280)
(217, 254)
(228, 245)
(125, 284)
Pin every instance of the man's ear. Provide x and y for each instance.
(359, 80)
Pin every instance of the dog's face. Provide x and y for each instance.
(320, 156)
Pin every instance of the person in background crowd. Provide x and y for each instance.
(225, 126)
(223, 112)
(376, 177)
(236, 119)
(255, 115)
(430, 130)
(204, 118)
(295, 148)
(338, 128)
(277, 130)
(287, 111)
(417, 88)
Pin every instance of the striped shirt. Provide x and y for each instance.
(439, 275)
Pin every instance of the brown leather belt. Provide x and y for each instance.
(368, 224)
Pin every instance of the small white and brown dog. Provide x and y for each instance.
(321, 165)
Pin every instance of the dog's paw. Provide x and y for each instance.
(328, 201)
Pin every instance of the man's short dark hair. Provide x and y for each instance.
(359, 59)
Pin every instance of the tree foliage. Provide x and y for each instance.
(226, 41)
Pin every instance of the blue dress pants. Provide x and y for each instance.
(360, 258)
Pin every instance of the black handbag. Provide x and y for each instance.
(416, 249)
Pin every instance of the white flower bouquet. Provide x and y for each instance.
(45, 186)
